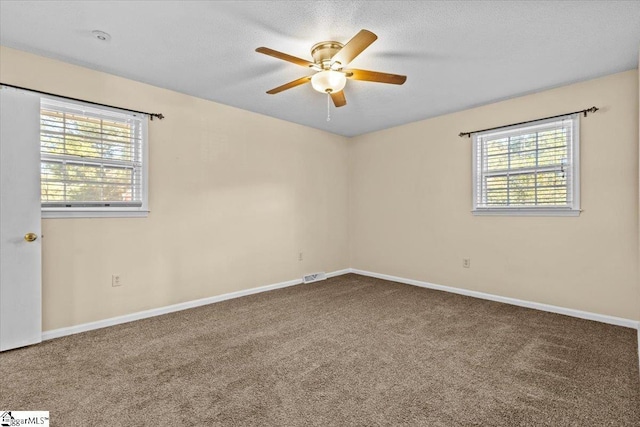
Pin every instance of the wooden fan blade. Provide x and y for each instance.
(289, 85)
(375, 76)
(354, 47)
(285, 57)
(338, 99)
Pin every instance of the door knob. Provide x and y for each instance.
(30, 237)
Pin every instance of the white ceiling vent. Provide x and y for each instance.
(314, 277)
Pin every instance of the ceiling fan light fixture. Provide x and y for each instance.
(328, 81)
(329, 60)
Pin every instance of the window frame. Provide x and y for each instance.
(572, 209)
(115, 211)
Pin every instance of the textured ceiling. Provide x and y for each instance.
(456, 54)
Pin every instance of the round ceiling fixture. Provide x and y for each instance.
(328, 81)
(101, 35)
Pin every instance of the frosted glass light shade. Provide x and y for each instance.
(328, 81)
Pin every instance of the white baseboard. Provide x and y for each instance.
(56, 333)
(76, 329)
(619, 321)
(339, 272)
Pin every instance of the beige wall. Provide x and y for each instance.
(234, 196)
(410, 202)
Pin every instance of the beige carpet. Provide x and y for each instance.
(348, 351)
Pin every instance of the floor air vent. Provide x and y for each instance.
(314, 277)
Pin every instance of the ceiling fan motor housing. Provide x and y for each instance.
(323, 52)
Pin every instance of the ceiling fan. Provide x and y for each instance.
(329, 60)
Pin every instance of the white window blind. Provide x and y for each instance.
(528, 169)
(92, 159)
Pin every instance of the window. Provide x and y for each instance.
(93, 161)
(528, 169)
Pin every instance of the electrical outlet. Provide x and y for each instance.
(115, 280)
(300, 256)
(466, 262)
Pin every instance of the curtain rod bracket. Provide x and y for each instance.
(590, 110)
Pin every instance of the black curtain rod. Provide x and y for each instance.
(151, 115)
(585, 111)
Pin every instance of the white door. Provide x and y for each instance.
(20, 258)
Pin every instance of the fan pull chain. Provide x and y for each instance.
(328, 107)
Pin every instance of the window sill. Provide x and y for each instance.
(93, 213)
(526, 212)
